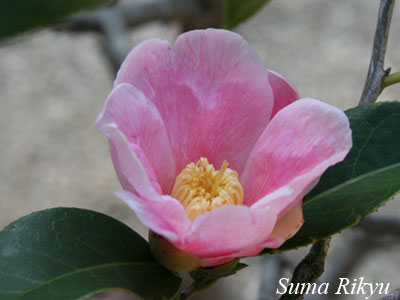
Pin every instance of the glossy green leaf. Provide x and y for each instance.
(367, 178)
(17, 16)
(70, 253)
(236, 11)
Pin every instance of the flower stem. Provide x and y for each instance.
(391, 79)
(188, 292)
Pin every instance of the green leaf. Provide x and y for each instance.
(237, 11)
(70, 253)
(17, 16)
(367, 178)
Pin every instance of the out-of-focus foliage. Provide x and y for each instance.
(17, 16)
(236, 11)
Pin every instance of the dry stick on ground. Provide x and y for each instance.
(310, 268)
(376, 72)
(394, 295)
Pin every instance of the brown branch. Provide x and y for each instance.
(394, 295)
(376, 72)
(310, 268)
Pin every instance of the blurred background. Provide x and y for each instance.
(53, 84)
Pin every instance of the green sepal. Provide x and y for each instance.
(205, 277)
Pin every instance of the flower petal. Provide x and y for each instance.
(284, 92)
(139, 121)
(284, 229)
(211, 90)
(162, 214)
(131, 172)
(215, 261)
(145, 65)
(298, 145)
(289, 224)
(227, 230)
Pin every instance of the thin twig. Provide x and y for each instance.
(113, 22)
(188, 292)
(135, 13)
(391, 79)
(310, 268)
(376, 72)
(394, 295)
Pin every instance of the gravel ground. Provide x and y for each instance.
(53, 85)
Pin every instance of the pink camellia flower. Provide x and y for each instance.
(213, 151)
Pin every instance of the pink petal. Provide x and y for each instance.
(164, 215)
(289, 224)
(215, 261)
(284, 92)
(298, 145)
(145, 65)
(139, 121)
(133, 176)
(228, 230)
(284, 229)
(211, 90)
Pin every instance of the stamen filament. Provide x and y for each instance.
(218, 178)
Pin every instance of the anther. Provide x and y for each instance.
(200, 188)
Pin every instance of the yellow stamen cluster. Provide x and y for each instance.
(201, 188)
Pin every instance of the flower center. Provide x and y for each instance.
(201, 188)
